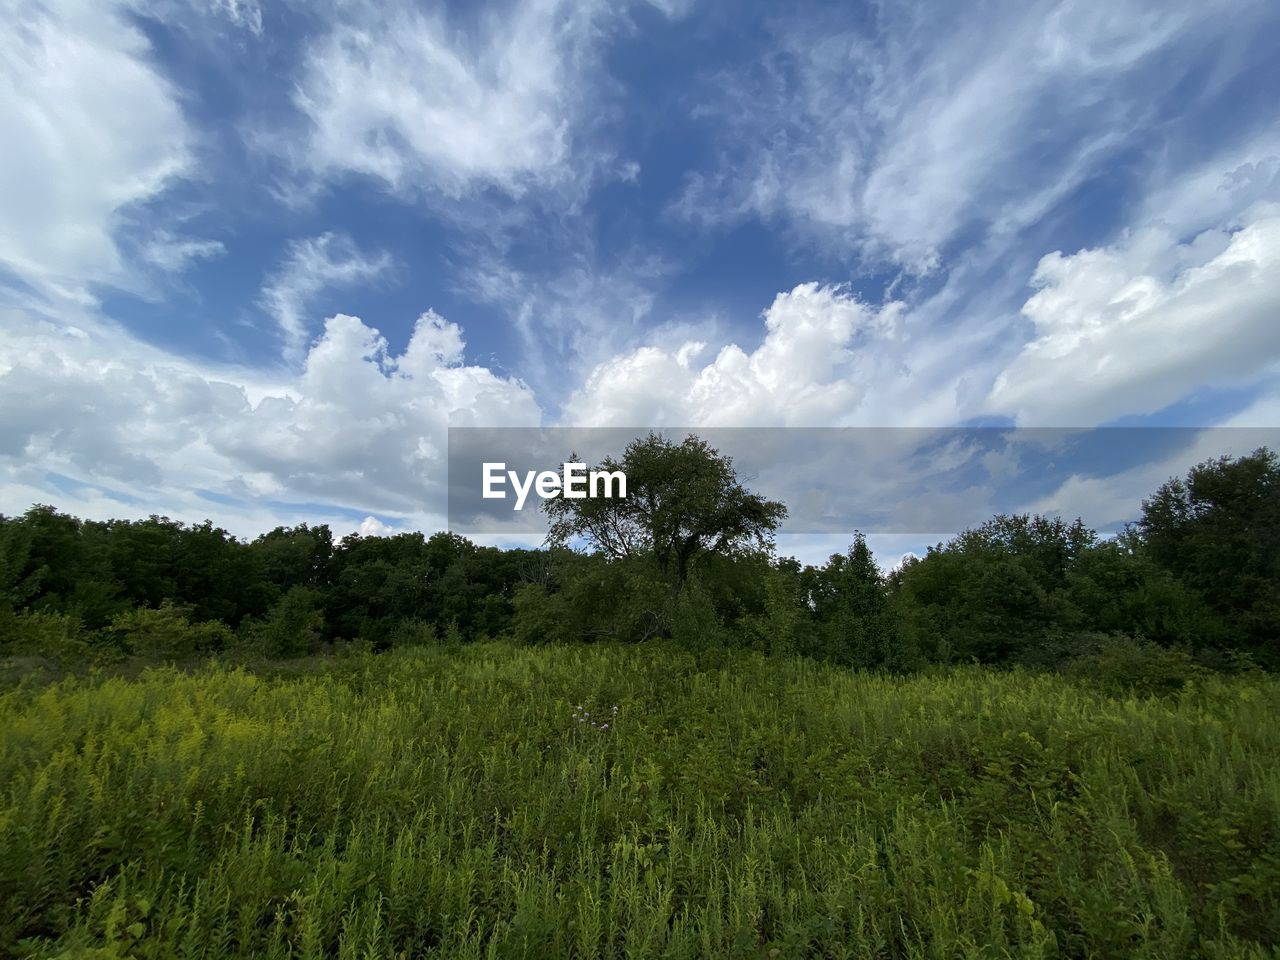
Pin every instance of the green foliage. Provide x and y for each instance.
(19, 583)
(1201, 572)
(167, 633)
(849, 600)
(694, 623)
(1219, 532)
(455, 803)
(1120, 589)
(294, 556)
(991, 593)
(57, 636)
(781, 627)
(1135, 666)
(539, 614)
(293, 626)
(590, 598)
(684, 501)
(414, 633)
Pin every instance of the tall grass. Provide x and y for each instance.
(459, 803)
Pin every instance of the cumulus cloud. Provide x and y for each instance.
(310, 267)
(373, 527)
(826, 358)
(358, 428)
(1134, 327)
(91, 130)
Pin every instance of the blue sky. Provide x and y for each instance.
(256, 257)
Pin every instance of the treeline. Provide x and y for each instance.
(164, 588)
(688, 556)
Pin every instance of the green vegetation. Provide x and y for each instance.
(689, 557)
(456, 802)
(1030, 742)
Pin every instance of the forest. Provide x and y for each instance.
(1193, 583)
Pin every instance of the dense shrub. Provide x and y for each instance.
(167, 633)
(588, 598)
(292, 627)
(1131, 665)
(58, 636)
(693, 621)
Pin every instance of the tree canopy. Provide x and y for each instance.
(683, 500)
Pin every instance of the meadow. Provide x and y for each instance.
(491, 800)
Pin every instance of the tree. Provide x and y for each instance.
(18, 583)
(1218, 531)
(847, 598)
(1119, 589)
(293, 626)
(1046, 547)
(294, 556)
(683, 500)
(994, 592)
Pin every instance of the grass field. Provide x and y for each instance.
(458, 803)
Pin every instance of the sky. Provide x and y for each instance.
(257, 256)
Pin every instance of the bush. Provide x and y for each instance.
(293, 626)
(413, 633)
(1134, 665)
(539, 615)
(592, 599)
(693, 619)
(166, 632)
(58, 636)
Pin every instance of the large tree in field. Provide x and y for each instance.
(683, 500)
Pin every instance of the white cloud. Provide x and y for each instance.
(936, 121)
(373, 527)
(310, 267)
(826, 359)
(242, 13)
(1109, 500)
(359, 428)
(1217, 191)
(581, 315)
(424, 103)
(1131, 328)
(173, 254)
(90, 131)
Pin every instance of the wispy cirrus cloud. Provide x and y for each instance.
(311, 266)
(926, 122)
(92, 131)
(428, 104)
(173, 254)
